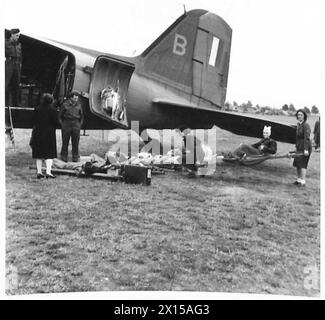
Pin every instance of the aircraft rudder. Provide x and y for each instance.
(169, 57)
(192, 55)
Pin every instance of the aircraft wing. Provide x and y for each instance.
(241, 124)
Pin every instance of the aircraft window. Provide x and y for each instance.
(214, 51)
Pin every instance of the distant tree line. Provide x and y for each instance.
(248, 107)
(292, 108)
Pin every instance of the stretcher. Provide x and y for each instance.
(113, 174)
(80, 174)
(250, 160)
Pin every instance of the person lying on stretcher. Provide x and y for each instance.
(265, 146)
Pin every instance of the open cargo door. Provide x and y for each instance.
(108, 89)
(45, 68)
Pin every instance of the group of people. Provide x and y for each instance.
(71, 117)
(45, 121)
(268, 146)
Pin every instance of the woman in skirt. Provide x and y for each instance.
(303, 145)
(44, 139)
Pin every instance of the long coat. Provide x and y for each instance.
(44, 138)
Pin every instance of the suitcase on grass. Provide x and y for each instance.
(137, 174)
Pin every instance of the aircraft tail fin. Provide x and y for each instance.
(192, 55)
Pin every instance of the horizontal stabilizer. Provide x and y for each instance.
(196, 117)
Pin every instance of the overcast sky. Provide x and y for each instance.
(278, 47)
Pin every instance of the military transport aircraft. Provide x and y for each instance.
(179, 81)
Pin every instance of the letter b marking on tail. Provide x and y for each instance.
(180, 43)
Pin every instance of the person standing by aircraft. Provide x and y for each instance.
(317, 135)
(13, 67)
(43, 140)
(303, 145)
(71, 119)
(13, 62)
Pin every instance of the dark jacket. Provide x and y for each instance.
(44, 138)
(270, 145)
(13, 51)
(71, 111)
(317, 132)
(303, 137)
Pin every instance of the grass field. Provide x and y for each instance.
(244, 229)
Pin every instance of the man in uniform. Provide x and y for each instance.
(71, 118)
(13, 66)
